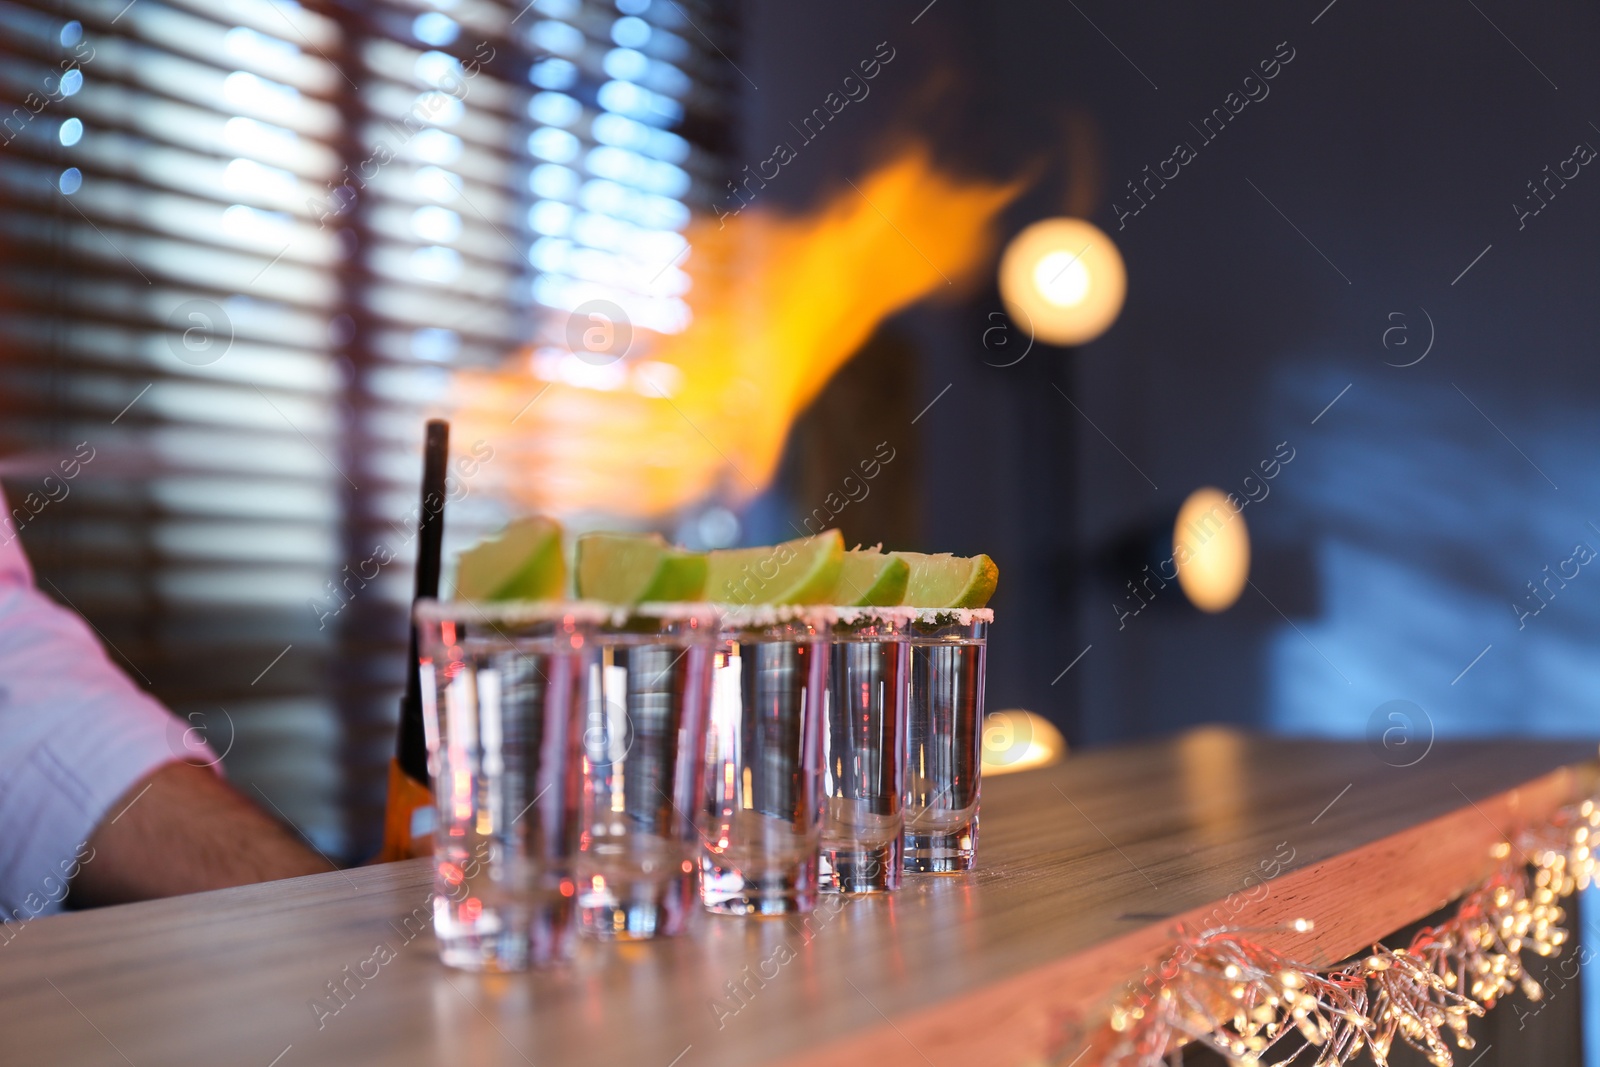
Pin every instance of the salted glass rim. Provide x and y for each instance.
(602, 613)
(737, 615)
(509, 611)
(594, 612)
(905, 614)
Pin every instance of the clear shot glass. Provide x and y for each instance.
(863, 751)
(647, 696)
(502, 712)
(944, 738)
(763, 791)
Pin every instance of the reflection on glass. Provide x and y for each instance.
(944, 736)
(864, 757)
(647, 683)
(763, 806)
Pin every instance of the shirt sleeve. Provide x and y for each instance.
(75, 736)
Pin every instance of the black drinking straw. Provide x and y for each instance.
(412, 750)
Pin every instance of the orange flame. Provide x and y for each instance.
(779, 304)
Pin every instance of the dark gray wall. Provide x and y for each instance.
(1349, 201)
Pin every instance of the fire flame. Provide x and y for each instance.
(778, 305)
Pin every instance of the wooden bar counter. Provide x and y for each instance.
(1087, 867)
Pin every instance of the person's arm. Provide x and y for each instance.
(79, 742)
(182, 830)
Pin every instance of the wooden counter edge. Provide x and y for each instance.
(1025, 1021)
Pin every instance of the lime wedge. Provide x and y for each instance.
(803, 571)
(521, 562)
(946, 581)
(869, 578)
(626, 568)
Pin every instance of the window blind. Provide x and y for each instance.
(243, 245)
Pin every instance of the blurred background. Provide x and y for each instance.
(702, 265)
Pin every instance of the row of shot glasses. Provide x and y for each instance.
(612, 770)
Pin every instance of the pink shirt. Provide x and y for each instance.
(76, 735)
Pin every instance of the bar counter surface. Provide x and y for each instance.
(1086, 867)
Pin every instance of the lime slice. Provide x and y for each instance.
(803, 571)
(946, 581)
(521, 562)
(869, 578)
(626, 568)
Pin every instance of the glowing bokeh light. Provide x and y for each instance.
(1017, 740)
(1063, 280)
(1211, 547)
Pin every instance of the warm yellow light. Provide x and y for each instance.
(1211, 548)
(1017, 740)
(1063, 280)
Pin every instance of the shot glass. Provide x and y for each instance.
(944, 738)
(863, 752)
(763, 789)
(647, 694)
(502, 712)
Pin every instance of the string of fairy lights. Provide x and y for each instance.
(1255, 1006)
